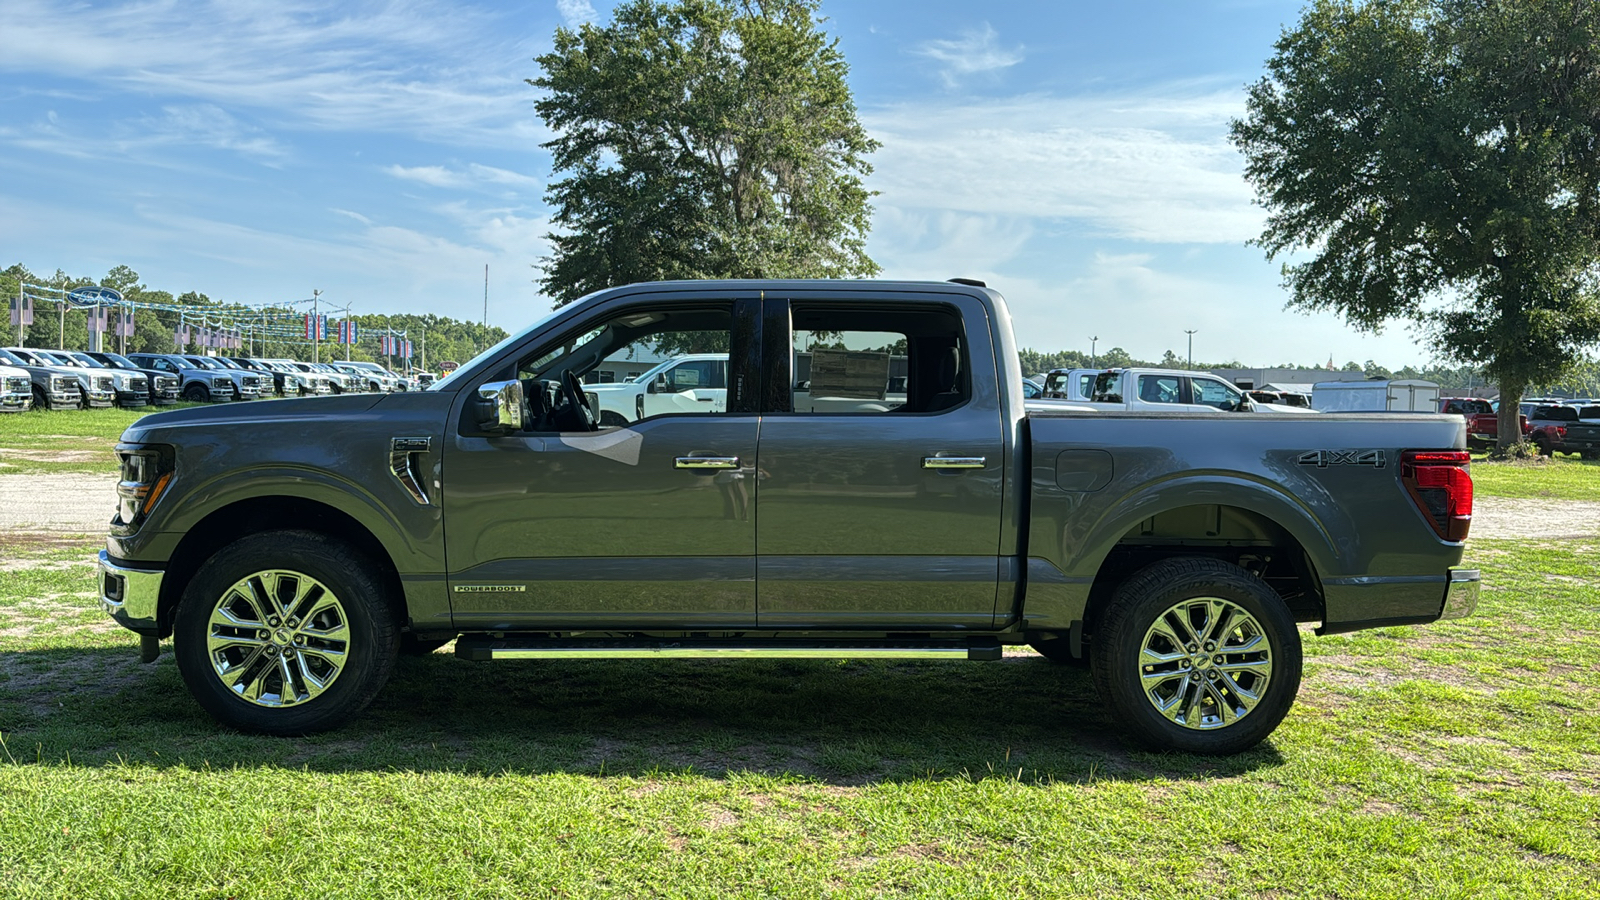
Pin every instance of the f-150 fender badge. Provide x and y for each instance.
(490, 588)
(1325, 458)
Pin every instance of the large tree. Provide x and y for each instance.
(1438, 161)
(703, 139)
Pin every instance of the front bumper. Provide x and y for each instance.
(131, 596)
(1461, 594)
(63, 399)
(133, 398)
(15, 403)
(101, 399)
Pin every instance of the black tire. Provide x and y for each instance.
(1131, 620)
(610, 419)
(357, 596)
(41, 400)
(196, 393)
(1591, 454)
(1059, 650)
(411, 645)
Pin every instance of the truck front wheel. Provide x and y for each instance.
(1198, 655)
(285, 633)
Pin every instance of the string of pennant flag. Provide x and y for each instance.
(223, 329)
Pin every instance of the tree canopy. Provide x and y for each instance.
(703, 139)
(1438, 161)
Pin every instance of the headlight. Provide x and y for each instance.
(219, 380)
(146, 471)
(60, 382)
(124, 382)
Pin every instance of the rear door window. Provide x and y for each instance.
(1160, 389)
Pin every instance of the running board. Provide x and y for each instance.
(483, 649)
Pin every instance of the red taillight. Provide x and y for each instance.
(1441, 486)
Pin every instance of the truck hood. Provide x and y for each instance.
(258, 411)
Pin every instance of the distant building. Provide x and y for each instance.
(1293, 379)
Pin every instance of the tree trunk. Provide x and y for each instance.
(1510, 425)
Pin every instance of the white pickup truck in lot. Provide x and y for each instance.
(1153, 390)
(694, 383)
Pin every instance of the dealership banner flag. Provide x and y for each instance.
(349, 333)
(316, 327)
(21, 310)
(405, 349)
(97, 319)
(181, 336)
(125, 323)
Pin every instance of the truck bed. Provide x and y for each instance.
(1328, 485)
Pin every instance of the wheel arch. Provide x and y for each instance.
(1248, 538)
(256, 515)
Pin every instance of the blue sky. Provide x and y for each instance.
(1073, 155)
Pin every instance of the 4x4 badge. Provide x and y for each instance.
(1325, 458)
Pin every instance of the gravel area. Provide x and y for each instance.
(85, 503)
(57, 503)
(1503, 517)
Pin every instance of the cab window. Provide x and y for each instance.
(555, 376)
(1210, 392)
(1160, 389)
(862, 360)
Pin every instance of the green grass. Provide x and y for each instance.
(1561, 478)
(1453, 760)
(43, 442)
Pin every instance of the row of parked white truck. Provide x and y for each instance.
(698, 383)
(34, 378)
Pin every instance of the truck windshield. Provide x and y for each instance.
(119, 362)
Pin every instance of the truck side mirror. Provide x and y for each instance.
(499, 406)
(658, 386)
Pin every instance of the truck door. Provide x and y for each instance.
(647, 524)
(886, 516)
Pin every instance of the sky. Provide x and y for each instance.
(1072, 155)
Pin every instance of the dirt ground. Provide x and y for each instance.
(85, 503)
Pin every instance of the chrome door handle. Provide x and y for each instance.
(953, 462)
(707, 462)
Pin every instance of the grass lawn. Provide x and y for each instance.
(1561, 478)
(1454, 760)
(43, 442)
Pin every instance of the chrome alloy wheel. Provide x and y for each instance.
(1205, 663)
(278, 638)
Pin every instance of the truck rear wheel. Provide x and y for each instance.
(1198, 655)
(285, 633)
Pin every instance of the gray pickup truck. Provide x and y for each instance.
(293, 552)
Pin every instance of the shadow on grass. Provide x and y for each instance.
(846, 723)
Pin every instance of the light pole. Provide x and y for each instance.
(316, 339)
(1092, 341)
(1190, 332)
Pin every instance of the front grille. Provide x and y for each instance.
(105, 383)
(19, 385)
(139, 383)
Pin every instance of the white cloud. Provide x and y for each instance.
(474, 175)
(436, 176)
(1155, 167)
(975, 52)
(421, 67)
(576, 12)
